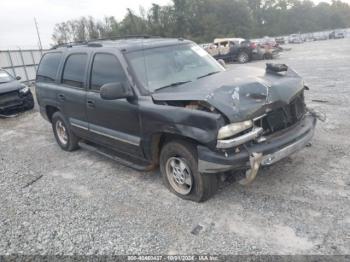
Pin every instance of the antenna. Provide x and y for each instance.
(37, 31)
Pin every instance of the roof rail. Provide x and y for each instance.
(92, 42)
(70, 44)
(123, 37)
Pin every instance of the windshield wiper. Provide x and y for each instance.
(209, 74)
(174, 84)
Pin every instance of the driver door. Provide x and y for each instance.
(113, 123)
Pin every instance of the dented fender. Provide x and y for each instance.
(196, 125)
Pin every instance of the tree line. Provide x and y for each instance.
(204, 20)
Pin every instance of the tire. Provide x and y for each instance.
(70, 143)
(203, 186)
(243, 58)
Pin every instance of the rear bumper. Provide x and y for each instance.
(275, 148)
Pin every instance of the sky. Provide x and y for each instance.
(17, 29)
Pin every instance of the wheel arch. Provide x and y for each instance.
(50, 110)
(158, 140)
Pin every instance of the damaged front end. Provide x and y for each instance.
(284, 127)
(14, 96)
(15, 101)
(265, 112)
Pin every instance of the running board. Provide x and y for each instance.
(111, 154)
(8, 116)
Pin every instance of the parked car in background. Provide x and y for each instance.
(205, 45)
(295, 39)
(320, 37)
(168, 103)
(232, 49)
(336, 35)
(14, 96)
(280, 40)
(270, 41)
(308, 37)
(266, 48)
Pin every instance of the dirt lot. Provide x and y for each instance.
(54, 202)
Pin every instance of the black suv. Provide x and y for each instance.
(155, 101)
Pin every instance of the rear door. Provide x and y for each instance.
(47, 80)
(114, 123)
(71, 93)
(235, 48)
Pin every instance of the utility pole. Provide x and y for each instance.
(37, 31)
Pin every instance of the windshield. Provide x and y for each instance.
(169, 66)
(5, 77)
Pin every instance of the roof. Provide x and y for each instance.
(128, 44)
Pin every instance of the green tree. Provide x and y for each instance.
(204, 20)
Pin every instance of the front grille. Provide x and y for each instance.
(283, 117)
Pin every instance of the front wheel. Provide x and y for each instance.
(243, 58)
(179, 168)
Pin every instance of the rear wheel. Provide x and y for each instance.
(243, 58)
(64, 136)
(179, 168)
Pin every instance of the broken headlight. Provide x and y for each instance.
(24, 89)
(233, 129)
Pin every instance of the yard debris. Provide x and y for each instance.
(319, 101)
(33, 181)
(196, 230)
(319, 115)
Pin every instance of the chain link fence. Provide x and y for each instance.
(21, 62)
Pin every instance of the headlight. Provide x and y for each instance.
(235, 128)
(24, 89)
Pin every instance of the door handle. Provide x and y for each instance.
(61, 97)
(91, 104)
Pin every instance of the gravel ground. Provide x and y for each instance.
(54, 202)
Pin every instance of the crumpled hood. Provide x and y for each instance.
(241, 93)
(10, 86)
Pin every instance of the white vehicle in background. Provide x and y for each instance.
(336, 35)
(295, 39)
(320, 37)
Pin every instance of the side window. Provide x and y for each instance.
(224, 44)
(74, 70)
(105, 69)
(48, 67)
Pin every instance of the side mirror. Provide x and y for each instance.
(112, 91)
(222, 62)
(18, 78)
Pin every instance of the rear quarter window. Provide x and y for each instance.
(48, 67)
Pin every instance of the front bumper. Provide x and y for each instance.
(16, 104)
(276, 147)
